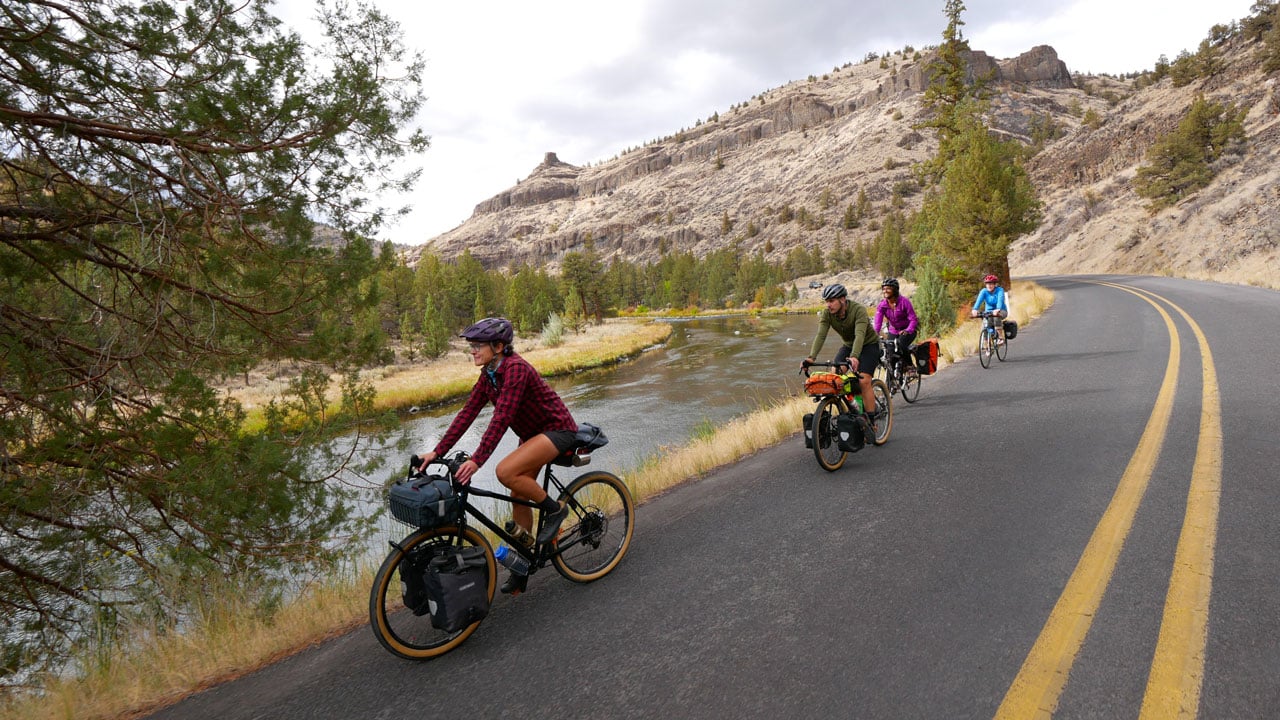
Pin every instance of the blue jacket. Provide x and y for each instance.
(988, 300)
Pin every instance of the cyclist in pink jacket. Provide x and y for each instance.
(896, 315)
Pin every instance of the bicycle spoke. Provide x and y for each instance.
(884, 412)
(911, 387)
(602, 523)
(825, 447)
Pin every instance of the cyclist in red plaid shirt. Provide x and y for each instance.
(524, 402)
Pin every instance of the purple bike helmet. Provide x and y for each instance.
(491, 329)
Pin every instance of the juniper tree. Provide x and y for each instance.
(1183, 161)
(984, 202)
(947, 89)
(583, 273)
(979, 197)
(162, 168)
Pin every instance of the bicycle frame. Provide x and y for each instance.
(990, 340)
(892, 370)
(590, 547)
(536, 555)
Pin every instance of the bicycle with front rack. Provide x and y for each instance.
(898, 372)
(989, 340)
(592, 541)
(835, 428)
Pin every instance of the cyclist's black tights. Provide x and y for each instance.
(901, 346)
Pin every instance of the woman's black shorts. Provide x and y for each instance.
(562, 439)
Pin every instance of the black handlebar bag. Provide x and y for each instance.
(424, 501)
(457, 587)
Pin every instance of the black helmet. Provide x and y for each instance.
(492, 329)
(890, 282)
(833, 291)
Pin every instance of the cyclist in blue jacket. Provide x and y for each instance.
(992, 298)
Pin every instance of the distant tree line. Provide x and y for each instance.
(424, 305)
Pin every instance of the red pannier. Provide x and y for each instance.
(927, 356)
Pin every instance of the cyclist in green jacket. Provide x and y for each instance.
(851, 323)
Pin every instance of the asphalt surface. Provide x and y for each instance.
(915, 581)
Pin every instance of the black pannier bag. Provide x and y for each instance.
(1010, 329)
(457, 587)
(851, 431)
(413, 573)
(807, 427)
(424, 502)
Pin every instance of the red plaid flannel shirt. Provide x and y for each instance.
(522, 401)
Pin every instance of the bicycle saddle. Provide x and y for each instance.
(588, 438)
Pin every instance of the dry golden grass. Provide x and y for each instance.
(233, 640)
(453, 375)
(229, 640)
(729, 443)
(399, 387)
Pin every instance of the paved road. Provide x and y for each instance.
(1010, 550)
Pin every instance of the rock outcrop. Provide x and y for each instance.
(1039, 67)
(552, 180)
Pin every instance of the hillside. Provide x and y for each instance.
(780, 170)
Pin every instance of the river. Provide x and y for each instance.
(709, 371)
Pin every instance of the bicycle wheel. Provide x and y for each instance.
(598, 531)
(984, 348)
(1002, 348)
(884, 411)
(397, 628)
(825, 447)
(911, 385)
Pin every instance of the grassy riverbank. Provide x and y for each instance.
(233, 638)
(408, 385)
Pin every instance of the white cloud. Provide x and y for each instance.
(1096, 36)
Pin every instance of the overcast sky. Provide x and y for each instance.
(507, 81)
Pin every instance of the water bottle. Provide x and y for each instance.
(519, 534)
(512, 560)
(857, 400)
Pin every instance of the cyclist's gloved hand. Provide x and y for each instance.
(805, 364)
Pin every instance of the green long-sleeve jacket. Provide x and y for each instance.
(854, 329)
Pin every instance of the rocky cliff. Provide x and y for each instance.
(813, 146)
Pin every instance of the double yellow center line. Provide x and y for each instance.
(1177, 670)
